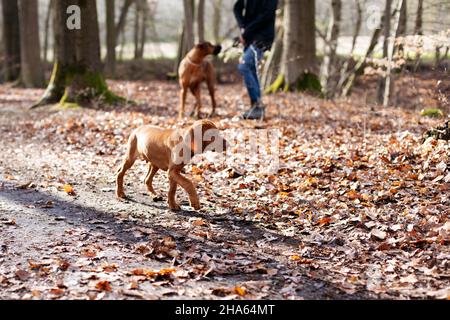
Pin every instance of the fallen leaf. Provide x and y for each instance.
(22, 274)
(103, 286)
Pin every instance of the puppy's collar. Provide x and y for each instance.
(193, 63)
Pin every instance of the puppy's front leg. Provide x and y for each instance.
(187, 186)
(172, 195)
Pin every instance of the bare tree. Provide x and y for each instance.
(201, 20)
(217, 19)
(329, 61)
(47, 30)
(189, 9)
(349, 80)
(32, 73)
(77, 77)
(11, 39)
(110, 64)
(299, 46)
(123, 17)
(387, 33)
(418, 28)
(298, 60)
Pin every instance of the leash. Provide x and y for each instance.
(236, 44)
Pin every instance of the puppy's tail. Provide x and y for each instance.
(130, 155)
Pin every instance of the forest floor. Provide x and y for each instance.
(359, 208)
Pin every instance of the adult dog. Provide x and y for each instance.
(193, 71)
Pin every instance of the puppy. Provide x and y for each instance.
(193, 71)
(170, 150)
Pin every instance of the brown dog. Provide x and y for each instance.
(193, 71)
(170, 150)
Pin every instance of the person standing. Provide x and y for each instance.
(256, 20)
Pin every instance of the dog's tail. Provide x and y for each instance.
(131, 149)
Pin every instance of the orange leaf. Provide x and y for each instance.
(196, 170)
(240, 291)
(353, 195)
(57, 291)
(325, 221)
(103, 286)
(69, 189)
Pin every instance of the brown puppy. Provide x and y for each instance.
(193, 71)
(170, 150)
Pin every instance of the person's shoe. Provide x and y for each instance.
(257, 112)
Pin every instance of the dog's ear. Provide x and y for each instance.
(202, 46)
(194, 136)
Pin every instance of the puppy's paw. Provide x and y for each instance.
(157, 199)
(175, 207)
(121, 195)
(196, 206)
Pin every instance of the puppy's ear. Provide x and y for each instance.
(194, 136)
(202, 46)
(189, 140)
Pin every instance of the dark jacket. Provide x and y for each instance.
(257, 18)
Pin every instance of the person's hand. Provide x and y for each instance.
(242, 40)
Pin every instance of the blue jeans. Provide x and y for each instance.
(249, 70)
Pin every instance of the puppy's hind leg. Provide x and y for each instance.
(127, 163)
(152, 170)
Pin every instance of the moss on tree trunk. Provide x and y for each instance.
(77, 79)
(308, 82)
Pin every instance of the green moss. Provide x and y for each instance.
(276, 86)
(68, 105)
(432, 113)
(308, 82)
(85, 86)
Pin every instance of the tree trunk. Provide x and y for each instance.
(47, 30)
(11, 39)
(110, 63)
(299, 43)
(344, 72)
(272, 65)
(201, 20)
(217, 20)
(387, 33)
(358, 24)
(418, 29)
(77, 77)
(188, 25)
(350, 79)
(329, 61)
(137, 28)
(402, 26)
(389, 86)
(32, 73)
(145, 16)
(123, 17)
